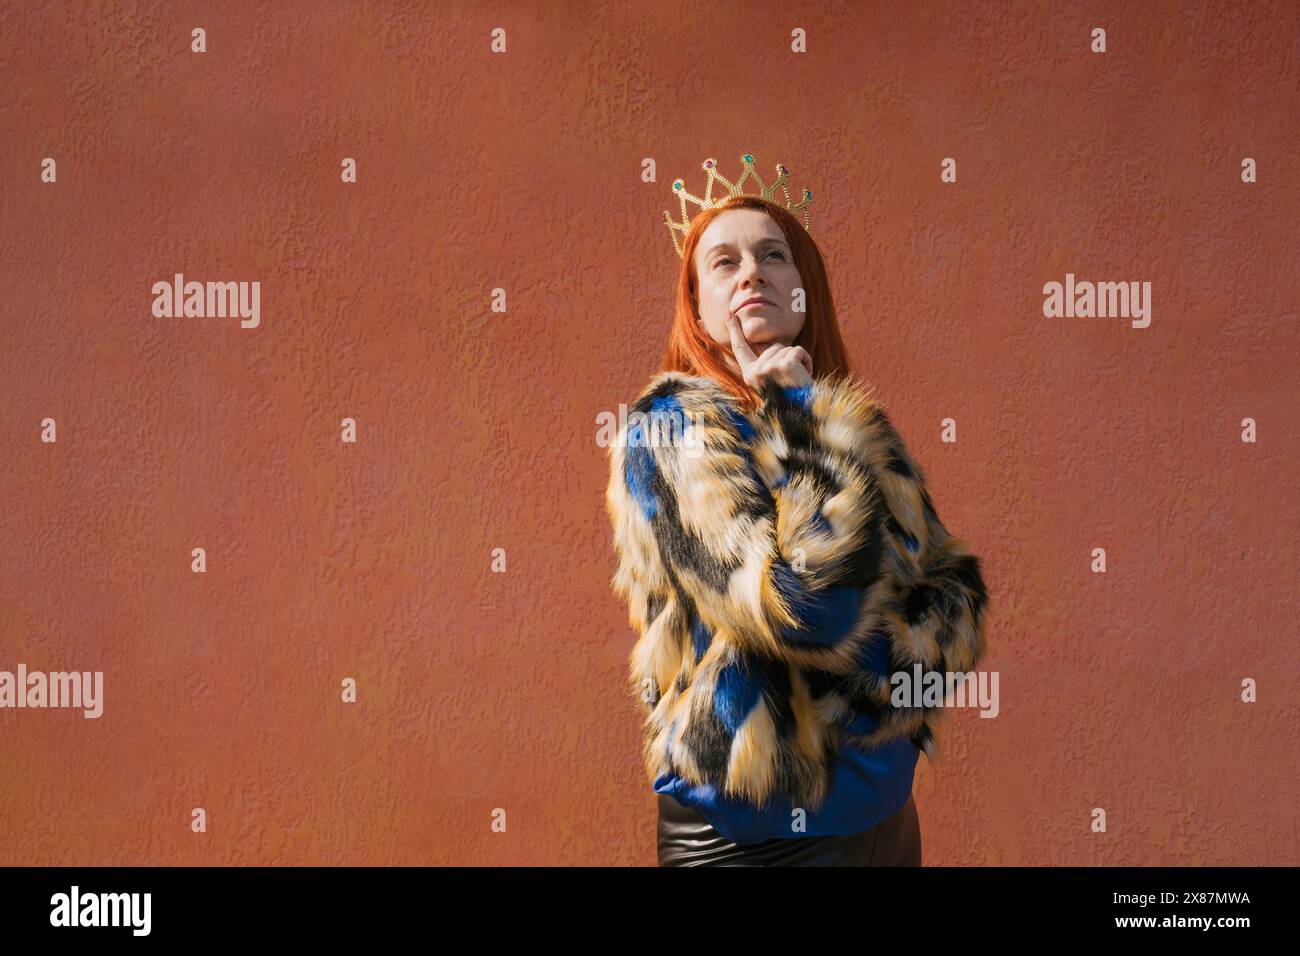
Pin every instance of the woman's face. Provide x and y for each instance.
(743, 256)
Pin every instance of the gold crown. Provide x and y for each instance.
(677, 230)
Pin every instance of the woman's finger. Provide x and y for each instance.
(804, 357)
(739, 346)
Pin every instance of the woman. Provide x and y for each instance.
(781, 560)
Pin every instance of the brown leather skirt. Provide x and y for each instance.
(687, 839)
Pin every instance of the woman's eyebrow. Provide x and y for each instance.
(729, 245)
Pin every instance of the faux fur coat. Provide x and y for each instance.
(778, 567)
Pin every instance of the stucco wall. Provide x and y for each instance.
(476, 430)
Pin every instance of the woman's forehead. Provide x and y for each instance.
(740, 234)
(741, 224)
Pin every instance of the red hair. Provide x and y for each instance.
(693, 352)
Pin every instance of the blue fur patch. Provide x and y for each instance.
(825, 617)
(736, 692)
(743, 425)
(701, 637)
(638, 472)
(860, 724)
(800, 395)
(639, 465)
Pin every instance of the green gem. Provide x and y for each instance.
(748, 158)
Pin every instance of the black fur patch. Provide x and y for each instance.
(861, 566)
(679, 547)
(918, 602)
(796, 421)
(820, 682)
(709, 740)
(922, 737)
(966, 571)
(777, 691)
(655, 605)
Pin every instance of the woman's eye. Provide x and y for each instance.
(775, 252)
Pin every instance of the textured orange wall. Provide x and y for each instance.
(477, 430)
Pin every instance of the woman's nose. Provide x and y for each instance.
(750, 272)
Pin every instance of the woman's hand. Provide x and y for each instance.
(784, 364)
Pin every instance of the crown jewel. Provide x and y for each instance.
(677, 230)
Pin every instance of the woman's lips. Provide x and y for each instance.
(755, 302)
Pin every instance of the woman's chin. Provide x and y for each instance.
(762, 333)
(757, 330)
(766, 327)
